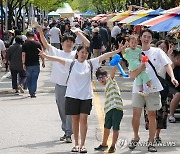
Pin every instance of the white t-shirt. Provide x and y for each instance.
(162, 70)
(59, 73)
(159, 59)
(115, 31)
(54, 35)
(2, 46)
(79, 84)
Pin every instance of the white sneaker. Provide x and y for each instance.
(172, 119)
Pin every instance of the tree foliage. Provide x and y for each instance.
(102, 6)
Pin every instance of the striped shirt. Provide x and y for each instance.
(113, 96)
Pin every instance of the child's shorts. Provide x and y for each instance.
(113, 119)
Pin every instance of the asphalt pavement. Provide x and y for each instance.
(32, 125)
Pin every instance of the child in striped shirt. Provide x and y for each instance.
(113, 108)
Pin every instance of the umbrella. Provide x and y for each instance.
(149, 16)
(119, 16)
(136, 15)
(167, 25)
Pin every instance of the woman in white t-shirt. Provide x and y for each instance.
(79, 91)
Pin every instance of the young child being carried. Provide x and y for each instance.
(113, 108)
(133, 56)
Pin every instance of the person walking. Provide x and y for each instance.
(153, 101)
(31, 64)
(59, 76)
(14, 58)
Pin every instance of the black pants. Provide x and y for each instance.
(14, 75)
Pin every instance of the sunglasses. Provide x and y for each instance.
(101, 77)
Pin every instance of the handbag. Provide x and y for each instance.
(164, 83)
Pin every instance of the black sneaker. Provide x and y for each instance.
(68, 139)
(158, 140)
(63, 138)
(101, 148)
(33, 96)
(111, 150)
(132, 145)
(16, 93)
(152, 148)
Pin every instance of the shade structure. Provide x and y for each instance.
(99, 16)
(53, 14)
(148, 17)
(167, 25)
(175, 10)
(65, 11)
(107, 17)
(136, 15)
(119, 16)
(166, 15)
(89, 13)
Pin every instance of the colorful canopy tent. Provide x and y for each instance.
(89, 13)
(98, 17)
(169, 14)
(167, 25)
(136, 15)
(149, 16)
(65, 11)
(175, 10)
(53, 14)
(120, 16)
(107, 17)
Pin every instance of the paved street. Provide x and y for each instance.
(32, 125)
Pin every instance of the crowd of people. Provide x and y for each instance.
(79, 50)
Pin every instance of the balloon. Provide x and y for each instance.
(115, 62)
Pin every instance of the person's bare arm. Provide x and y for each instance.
(113, 71)
(23, 60)
(169, 70)
(51, 58)
(135, 73)
(81, 36)
(43, 39)
(107, 55)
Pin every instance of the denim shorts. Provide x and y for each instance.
(75, 106)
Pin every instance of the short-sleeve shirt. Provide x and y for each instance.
(133, 58)
(113, 96)
(32, 52)
(54, 35)
(79, 84)
(59, 73)
(158, 59)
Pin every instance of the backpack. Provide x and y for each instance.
(72, 64)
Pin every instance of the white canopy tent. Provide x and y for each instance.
(65, 11)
